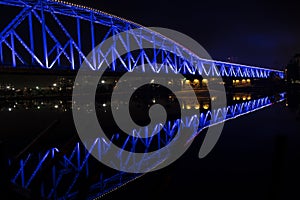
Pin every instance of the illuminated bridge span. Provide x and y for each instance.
(58, 35)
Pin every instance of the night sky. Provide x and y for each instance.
(249, 32)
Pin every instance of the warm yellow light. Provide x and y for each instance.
(249, 98)
(248, 81)
(238, 98)
(197, 106)
(233, 81)
(196, 81)
(244, 98)
(243, 81)
(205, 106)
(188, 107)
(205, 81)
(233, 98)
(187, 82)
(237, 81)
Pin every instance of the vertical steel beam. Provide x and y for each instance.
(31, 35)
(44, 36)
(78, 155)
(54, 174)
(79, 38)
(128, 51)
(93, 40)
(72, 54)
(58, 59)
(113, 57)
(12, 40)
(154, 53)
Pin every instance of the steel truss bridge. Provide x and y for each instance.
(53, 35)
(38, 37)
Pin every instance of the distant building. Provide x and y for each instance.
(293, 70)
(293, 82)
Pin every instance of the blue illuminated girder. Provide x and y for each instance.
(71, 50)
(77, 161)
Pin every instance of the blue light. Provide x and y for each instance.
(78, 161)
(72, 51)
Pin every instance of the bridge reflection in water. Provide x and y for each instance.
(69, 171)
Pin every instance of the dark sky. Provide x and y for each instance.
(252, 32)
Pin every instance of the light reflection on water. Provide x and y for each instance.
(65, 104)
